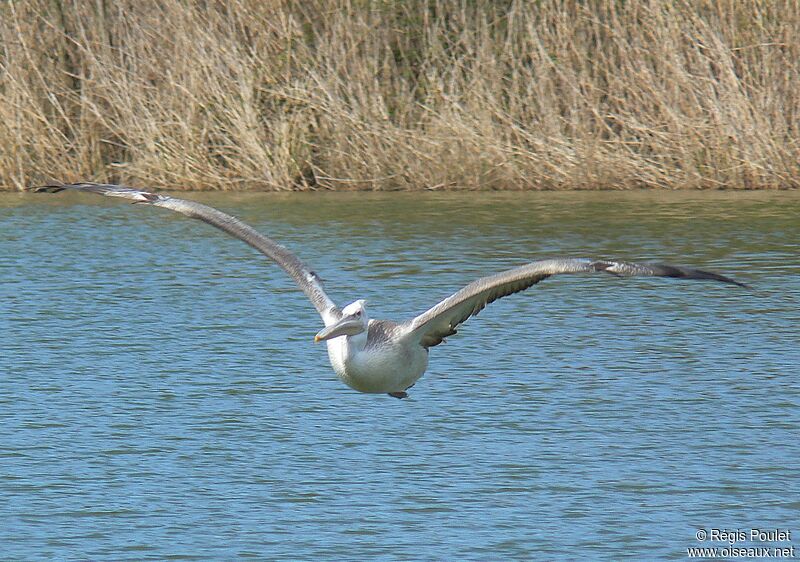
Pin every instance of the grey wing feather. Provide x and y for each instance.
(305, 278)
(439, 322)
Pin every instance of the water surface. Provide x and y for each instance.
(161, 396)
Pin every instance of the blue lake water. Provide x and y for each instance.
(161, 396)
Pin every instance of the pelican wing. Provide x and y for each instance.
(439, 322)
(308, 281)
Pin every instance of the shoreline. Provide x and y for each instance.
(210, 190)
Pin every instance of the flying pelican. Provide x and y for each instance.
(381, 356)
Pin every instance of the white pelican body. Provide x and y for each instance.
(380, 356)
(371, 356)
(376, 369)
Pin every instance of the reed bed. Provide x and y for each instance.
(422, 94)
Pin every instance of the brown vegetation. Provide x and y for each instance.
(423, 94)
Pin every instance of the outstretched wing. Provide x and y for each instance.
(439, 322)
(307, 280)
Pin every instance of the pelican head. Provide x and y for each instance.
(354, 321)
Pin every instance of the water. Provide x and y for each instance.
(161, 396)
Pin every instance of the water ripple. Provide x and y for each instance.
(162, 398)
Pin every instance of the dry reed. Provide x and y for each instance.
(423, 94)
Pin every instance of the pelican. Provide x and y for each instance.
(381, 356)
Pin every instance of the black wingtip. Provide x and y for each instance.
(701, 274)
(108, 189)
(49, 188)
(730, 281)
(627, 269)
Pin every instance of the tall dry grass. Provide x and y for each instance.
(359, 94)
